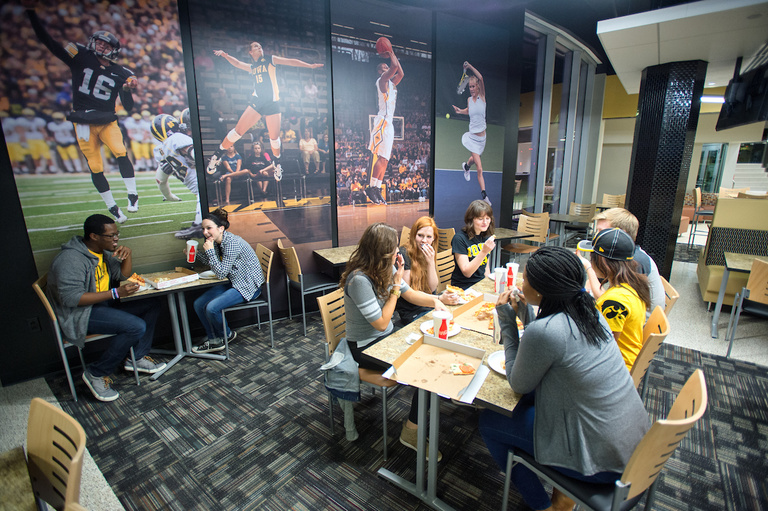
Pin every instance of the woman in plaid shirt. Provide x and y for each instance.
(229, 256)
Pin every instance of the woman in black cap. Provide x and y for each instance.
(580, 412)
(628, 296)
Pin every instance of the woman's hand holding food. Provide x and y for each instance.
(449, 298)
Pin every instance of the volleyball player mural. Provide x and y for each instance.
(264, 101)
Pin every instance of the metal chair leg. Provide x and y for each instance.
(135, 369)
(507, 480)
(384, 419)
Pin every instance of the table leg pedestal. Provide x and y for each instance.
(719, 304)
(179, 353)
(429, 496)
(188, 335)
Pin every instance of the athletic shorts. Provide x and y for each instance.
(264, 106)
(382, 136)
(473, 143)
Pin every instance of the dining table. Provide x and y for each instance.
(740, 263)
(495, 394)
(333, 260)
(560, 220)
(17, 493)
(177, 309)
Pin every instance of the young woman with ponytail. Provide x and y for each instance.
(580, 412)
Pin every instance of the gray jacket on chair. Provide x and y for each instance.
(73, 273)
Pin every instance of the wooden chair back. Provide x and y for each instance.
(614, 201)
(730, 193)
(758, 282)
(334, 318)
(55, 448)
(671, 296)
(444, 238)
(535, 215)
(537, 226)
(39, 286)
(404, 235)
(696, 198)
(655, 331)
(660, 442)
(445, 265)
(586, 211)
(290, 261)
(265, 256)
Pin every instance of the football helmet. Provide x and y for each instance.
(58, 116)
(185, 120)
(163, 126)
(110, 39)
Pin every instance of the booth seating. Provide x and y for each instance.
(738, 225)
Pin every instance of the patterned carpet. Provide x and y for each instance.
(252, 433)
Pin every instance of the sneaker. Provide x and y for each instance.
(487, 200)
(380, 197)
(119, 216)
(145, 365)
(371, 194)
(232, 335)
(172, 198)
(465, 167)
(214, 162)
(209, 346)
(409, 438)
(193, 231)
(278, 173)
(100, 387)
(133, 203)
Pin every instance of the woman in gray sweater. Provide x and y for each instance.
(580, 412)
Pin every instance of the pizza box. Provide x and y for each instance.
(464, 316)
(173, 278)
(426, 364)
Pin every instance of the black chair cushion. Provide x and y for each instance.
(596, 496)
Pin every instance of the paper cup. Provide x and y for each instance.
(499, 280)
(191, 251)
(440, 323)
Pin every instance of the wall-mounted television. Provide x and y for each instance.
(746, 99)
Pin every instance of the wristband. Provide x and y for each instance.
(115, 295)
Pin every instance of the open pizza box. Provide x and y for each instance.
(465, 315)
(426, 364)
(172, 278)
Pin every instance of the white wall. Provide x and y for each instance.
(618, 135)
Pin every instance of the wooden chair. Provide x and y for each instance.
(266, 257)
(581, 227)
(644, 466)
(655, 331)
(444, 238)
(304, 283)
(753, 298)
(614, 201)
(404, 235)
(730, 193)
(55, 448)
(39, 286)
(538, 227)
(552, 237)
(671, 296)
(335, 326)
(699, 214)
(445, 265)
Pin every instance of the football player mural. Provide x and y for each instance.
(85, 71)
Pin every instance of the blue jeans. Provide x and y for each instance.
(501, 432)
(133, 326)
(209, 305)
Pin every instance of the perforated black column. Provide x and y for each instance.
(668, 112)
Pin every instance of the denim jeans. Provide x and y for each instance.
(209, 305)
(133, 326)
(501, 432)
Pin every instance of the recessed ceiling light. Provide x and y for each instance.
(712, 99)
(711, 84)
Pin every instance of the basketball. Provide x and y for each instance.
(383, 45)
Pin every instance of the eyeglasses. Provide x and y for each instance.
(113, 236)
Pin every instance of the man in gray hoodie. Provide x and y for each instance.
(84, 290)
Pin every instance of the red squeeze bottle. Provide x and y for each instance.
(443, 332)
(191, 254)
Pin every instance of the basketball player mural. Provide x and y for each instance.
(383, 133)
(97, 81)
(262, 103)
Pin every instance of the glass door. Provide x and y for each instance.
(711, 167)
